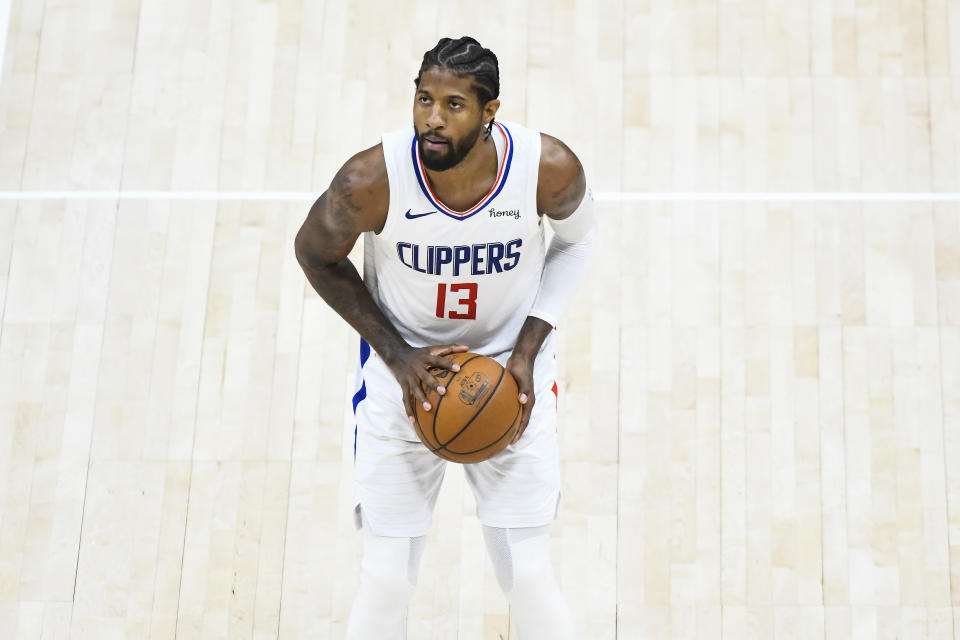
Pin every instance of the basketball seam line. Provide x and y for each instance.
(509, 427)
(436, 409)
(478, 412)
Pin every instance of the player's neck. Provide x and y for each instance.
(465, 184)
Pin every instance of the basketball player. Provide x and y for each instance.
(452, 211)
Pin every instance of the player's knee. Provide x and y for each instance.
(387, 589)
(498, 546)
(520, 557)
(390, 566)
(532, 571)
(388, 574)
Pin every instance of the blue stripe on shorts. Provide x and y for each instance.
(359, 396)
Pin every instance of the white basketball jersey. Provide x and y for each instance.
(470, 277)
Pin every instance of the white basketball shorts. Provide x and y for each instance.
(398, 479)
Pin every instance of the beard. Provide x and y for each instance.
(455, 152)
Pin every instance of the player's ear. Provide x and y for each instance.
(490, 111)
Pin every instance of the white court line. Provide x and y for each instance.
(283, 196)
(622, 196)
(779, 196)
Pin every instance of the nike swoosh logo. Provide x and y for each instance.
(413, 216)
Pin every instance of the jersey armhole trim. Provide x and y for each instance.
(534, 179)
(394, 182)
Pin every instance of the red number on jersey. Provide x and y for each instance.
(470, 301)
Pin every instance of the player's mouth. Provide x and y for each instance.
(435, 144)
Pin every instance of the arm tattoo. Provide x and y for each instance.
(343, 210)
(568, 196)
(344, 191)
(342, 223)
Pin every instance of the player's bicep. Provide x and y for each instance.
(329, 232)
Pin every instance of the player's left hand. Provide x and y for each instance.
(521, 368)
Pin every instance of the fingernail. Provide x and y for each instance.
(441, 390)
(523, 397)
(426, 405)
(411, 419)
(456, 367)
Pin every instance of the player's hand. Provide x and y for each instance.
(412, 370)
(521, 368)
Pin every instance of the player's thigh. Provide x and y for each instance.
(520, 486)
(397, 478)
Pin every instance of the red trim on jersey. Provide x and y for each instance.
(485, 199)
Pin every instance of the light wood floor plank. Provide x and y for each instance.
(946, 225)
(950, 381)
(17, 89)
(8, 218)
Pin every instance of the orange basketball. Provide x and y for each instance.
(478, 415)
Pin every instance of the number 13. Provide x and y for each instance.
(470, 300)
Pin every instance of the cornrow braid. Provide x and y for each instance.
(466, 57)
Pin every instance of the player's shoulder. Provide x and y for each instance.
(364, 170)
(361, 188)
(561, 184)
(557, 161)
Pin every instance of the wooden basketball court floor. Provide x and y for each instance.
(760, 399)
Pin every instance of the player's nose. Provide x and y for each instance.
(435, 120)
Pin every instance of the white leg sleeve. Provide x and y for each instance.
(521, 561)
(388, 574)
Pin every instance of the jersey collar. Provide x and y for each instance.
(487, 199)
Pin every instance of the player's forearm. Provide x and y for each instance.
(531, 337)
(341, 287)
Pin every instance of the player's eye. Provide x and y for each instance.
(455, 105)
(424, 100)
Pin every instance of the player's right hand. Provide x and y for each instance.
(412, 370)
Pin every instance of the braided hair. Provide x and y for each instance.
(466, 57)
